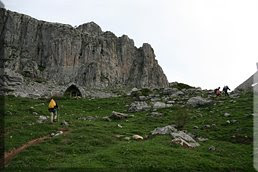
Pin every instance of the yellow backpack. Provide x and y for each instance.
(52, 104)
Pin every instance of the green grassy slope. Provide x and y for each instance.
(93, 144)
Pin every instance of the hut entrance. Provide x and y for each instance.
(73, 91)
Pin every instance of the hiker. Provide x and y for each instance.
(217, 91)
(225, 90)
(52, 108)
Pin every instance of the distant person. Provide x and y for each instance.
(217, 91)
(225, 90)
(52, 108)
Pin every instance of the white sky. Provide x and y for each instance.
(206, 43)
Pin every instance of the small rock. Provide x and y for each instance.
(228, 122)
(137, 137)
(226, 114)
(34, 113)
(178, 93)
(142, 98)
(160, 105)
(213, 125)
(41, 119)
(233, 121)
(119, 136)
(127, 138)
(52, 134)
(171, 102)
(184, 143)
(195, 127)
(212, 148)
(138, 106)
(207, 126)
(155, 99)
(106, 118)
(118, 115)
(64, 123)
(120, 126)
(135, 89)
(154, 110)
(200, 139)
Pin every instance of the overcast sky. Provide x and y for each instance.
(206, 43)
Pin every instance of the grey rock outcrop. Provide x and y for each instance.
(1, 4)
(59, 54)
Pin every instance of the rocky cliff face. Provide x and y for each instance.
(53, 54)
(249, 84)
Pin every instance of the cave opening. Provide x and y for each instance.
(73, 91)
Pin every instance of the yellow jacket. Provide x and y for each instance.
(52, 104)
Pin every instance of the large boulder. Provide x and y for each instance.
(179, 137)
(198, 101)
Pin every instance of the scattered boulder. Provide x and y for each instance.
(198, 101)
(200, 139)
(119, 136)
(155, 99)
(118, 115)
(137, 137)
(164, 130)
(127, 138)
(120, 126)
(143, 98)
(179, 137)
(135, 89)
(64, 123)
(196, 127)
(106, 118)
(42, 119)
(34, 113)
(138, 106)
(161, 105)
(171, 102)
(207, 126)
(169, 91)
(56, 134)
(178, 93)
(226, 114)
(233, 121)
(212, 148)
(182, 135)
(184, 143)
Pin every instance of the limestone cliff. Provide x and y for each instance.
(59, 54)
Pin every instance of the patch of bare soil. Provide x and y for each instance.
(8, 156)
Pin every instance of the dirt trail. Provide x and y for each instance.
(8, 156)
